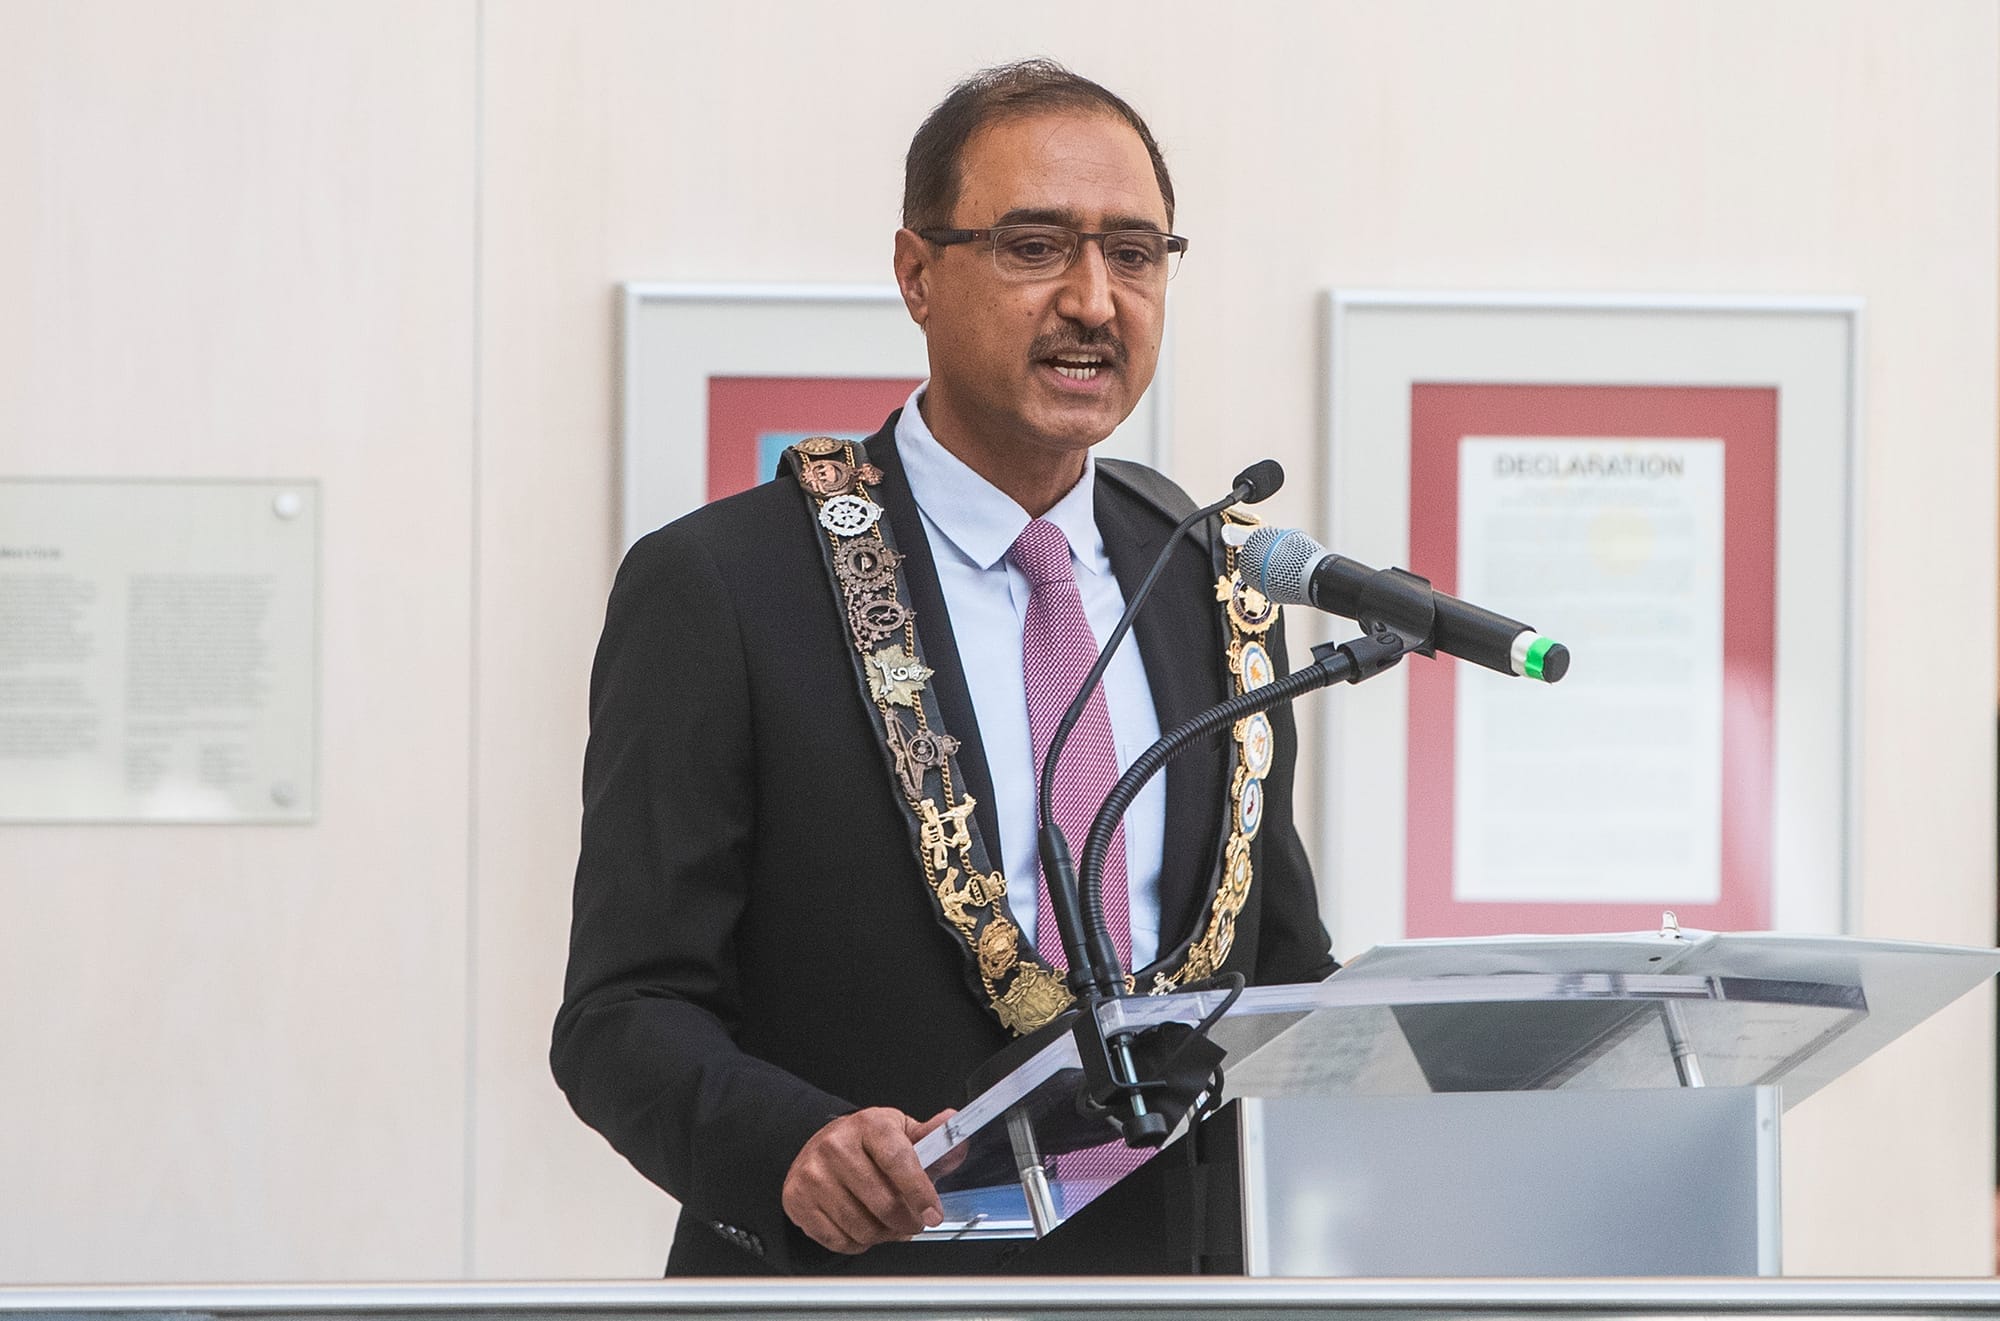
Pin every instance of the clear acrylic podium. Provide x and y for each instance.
(1513, 1106)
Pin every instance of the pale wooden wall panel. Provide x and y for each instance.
(236, 241)
(552, 1199)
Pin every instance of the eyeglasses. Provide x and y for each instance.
(1144, 258)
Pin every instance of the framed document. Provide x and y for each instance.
(1667, 486)
(718, 379)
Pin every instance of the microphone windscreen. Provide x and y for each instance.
(1263, 477)
(1278, 561)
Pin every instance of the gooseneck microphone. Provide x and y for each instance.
(1260, 481)
(1116, 1086)
(1292, 569)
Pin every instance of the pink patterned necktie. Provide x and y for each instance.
(1057, 651)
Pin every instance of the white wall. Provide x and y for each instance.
(235, 239)
(376, 244)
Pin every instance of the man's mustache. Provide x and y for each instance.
(1102, 342)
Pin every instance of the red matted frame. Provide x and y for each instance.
(1745, 419)
(743, 410)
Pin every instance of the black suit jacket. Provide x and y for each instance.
(754, 951)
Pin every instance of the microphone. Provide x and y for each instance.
(1291, 568)
(1259, 481)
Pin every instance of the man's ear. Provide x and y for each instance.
(913, 274)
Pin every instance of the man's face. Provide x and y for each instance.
(1053, 363)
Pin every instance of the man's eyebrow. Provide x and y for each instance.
(1031, 215)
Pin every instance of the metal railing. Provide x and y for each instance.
(938, 1299)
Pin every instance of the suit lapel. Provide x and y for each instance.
(1178, 633)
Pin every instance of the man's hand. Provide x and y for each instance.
(857, 1182)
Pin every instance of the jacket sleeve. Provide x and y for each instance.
(1292, 943)
(643, 1044)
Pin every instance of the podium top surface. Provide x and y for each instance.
(1616, 1012)
(1901, 983)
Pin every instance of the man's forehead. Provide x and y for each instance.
(1081, 168)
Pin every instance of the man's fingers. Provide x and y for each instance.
(802, 1208)
(830, 1214)
(821, 1229)
(904, 1174)
(871, 1174)
(859, 1220)
(857, 1182)
(952, 1159)
(846, 1223)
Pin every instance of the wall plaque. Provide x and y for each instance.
(158, 657)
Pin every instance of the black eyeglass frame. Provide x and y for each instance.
(1177, 246)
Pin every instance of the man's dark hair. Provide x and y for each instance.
(1008, 91)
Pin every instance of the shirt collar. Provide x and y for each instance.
(979, 519)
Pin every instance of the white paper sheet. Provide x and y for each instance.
(1608, 787)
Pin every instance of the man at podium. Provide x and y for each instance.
(808, 903)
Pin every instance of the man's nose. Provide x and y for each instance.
(1086, 287)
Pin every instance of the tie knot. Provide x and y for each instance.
(1042, 552)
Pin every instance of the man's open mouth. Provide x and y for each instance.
(1079, 366)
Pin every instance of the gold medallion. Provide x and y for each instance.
(1035, 996)
(825, 477)
(1250, 809)
(954, 898)
(915, 752)
(929, 750)
(1249, 609)
(896, 677)
(999, 948)
(1259, 744)
(1252, 665)
(1225, 936)
(818, 445)
(941, 832)
(849, 515)
(866, 565)
(875, 619)
(1235, 875)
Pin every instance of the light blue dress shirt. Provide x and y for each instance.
(971, 525)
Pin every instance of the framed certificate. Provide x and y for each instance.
(1667, 486)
